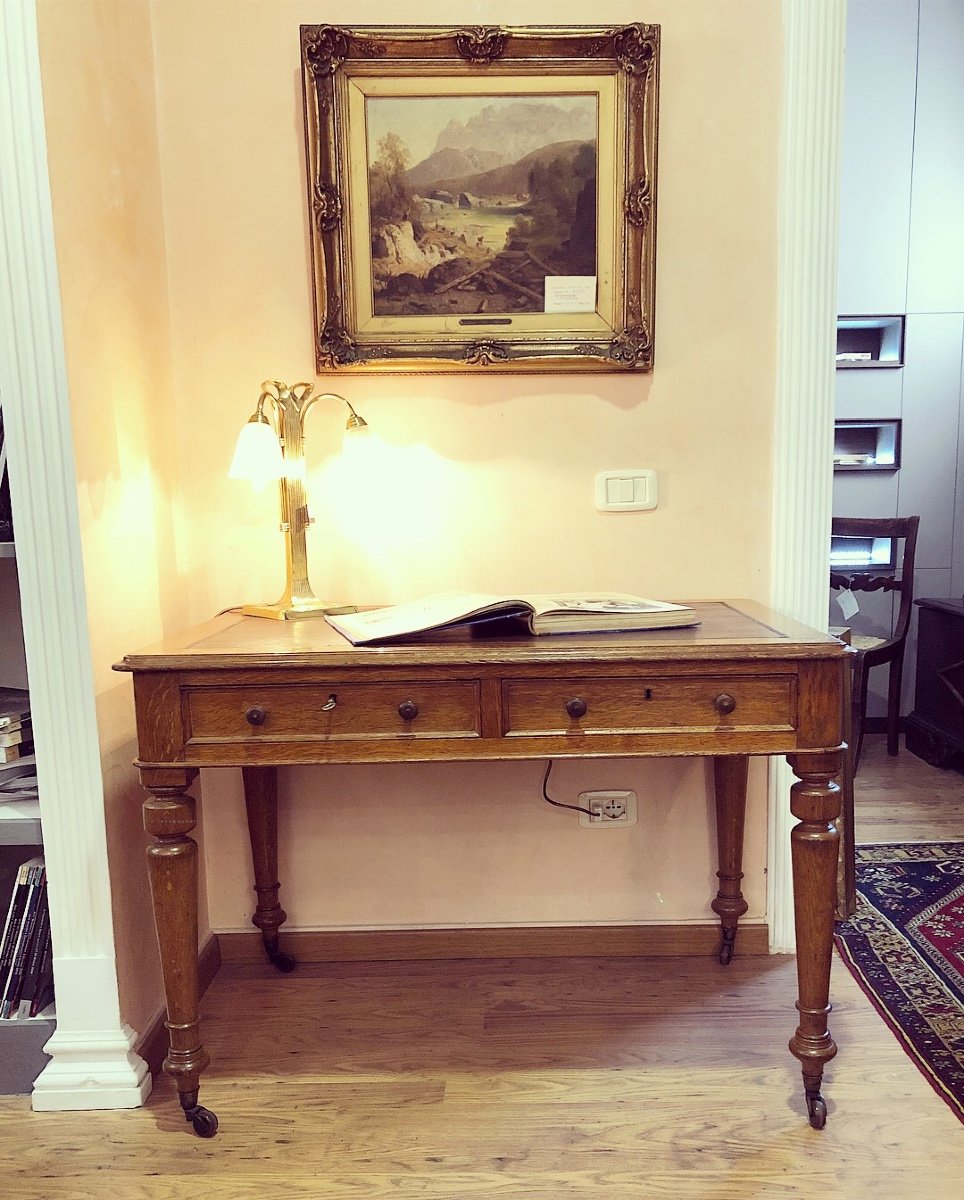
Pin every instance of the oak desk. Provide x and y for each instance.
(259, 694)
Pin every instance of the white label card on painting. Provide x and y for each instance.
(570, 293)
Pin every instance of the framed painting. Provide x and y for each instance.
(482, 198)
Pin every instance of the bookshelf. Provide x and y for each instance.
(22, 1039)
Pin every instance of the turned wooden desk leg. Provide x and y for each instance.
(169, 815)
(814, 845)
(261, 802)
(730, 783)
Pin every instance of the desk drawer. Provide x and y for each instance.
(354, 710)
(637, 705)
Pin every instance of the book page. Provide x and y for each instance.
(597, 602)
(416, 616)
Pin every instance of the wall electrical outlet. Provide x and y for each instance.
(609, 810)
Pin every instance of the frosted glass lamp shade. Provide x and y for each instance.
(257, 455)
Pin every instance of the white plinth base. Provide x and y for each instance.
(89, 1070)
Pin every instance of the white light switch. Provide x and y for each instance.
(629, 490)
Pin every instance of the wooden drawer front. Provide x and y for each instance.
(646, 705)
(303, 712)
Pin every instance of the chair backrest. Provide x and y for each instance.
(903, 532)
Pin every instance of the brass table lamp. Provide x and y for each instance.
(271, 446)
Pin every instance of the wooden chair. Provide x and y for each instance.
(875, 651)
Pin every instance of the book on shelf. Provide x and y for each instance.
(39, 944)
(43, 995)
(561, 612)
(17, 773)
(14, 706)
(34, 876)
(21, 786)
(23, 888)
(16, 739)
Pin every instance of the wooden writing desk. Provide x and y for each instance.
(259, 694)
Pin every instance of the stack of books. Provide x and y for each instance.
(18, 767)
(26, 956)
(16, 735)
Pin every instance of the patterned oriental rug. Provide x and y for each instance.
(905, 947)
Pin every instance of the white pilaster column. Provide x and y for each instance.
(813, 73)
(93, 1064)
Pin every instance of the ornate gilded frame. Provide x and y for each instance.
(618, 67)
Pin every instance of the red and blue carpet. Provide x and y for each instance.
(905, 947)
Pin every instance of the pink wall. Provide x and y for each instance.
(471, 481)
(106, 189)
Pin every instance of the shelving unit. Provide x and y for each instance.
(901, 296)
(22, 1040)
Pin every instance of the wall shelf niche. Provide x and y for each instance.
(870, 342)
(868, 554)
(866, 445)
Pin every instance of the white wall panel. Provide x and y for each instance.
(869, 392)
(932, 387)
(936, 271)
(865, 493)
(878, 141)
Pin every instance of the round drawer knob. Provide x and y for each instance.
(576, 707)
(256, 715)
(724, 704)
(408, 710)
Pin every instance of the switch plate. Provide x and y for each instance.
(629, 490)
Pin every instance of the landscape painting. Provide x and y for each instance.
(481, 198)
(475, 201)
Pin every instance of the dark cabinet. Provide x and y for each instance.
(935, 729)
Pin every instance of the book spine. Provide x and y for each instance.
(11, 991)
(44, 993)
(12, 926)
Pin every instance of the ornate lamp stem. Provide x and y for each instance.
(290, 404)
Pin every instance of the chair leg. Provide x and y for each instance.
(893, 705)
(858, 709)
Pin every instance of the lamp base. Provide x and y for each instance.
(292, 612)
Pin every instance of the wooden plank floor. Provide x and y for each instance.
(602, 1078)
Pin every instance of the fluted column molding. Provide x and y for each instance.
(813, 73)
(92, 1063)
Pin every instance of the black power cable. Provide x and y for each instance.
(559, 803)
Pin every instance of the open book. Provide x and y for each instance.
(566, 612)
